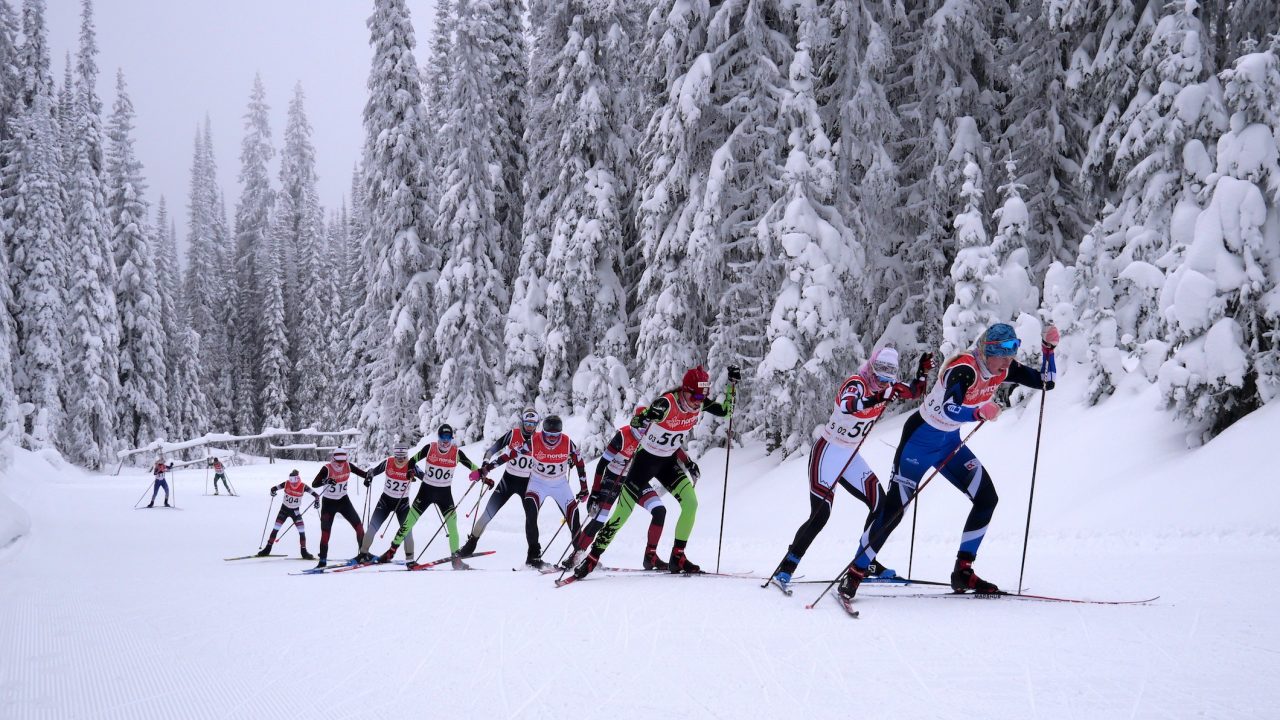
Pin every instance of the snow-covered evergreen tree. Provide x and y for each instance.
(975, 302)
(142, 410)
(583, 208)
(256, 283)
(398, 315)
(10, 84)
(470, 290)
(509, 65)
(1013, 283)
(94, 332)
(299, 233)
(811, 342)
(33, 232)
(1222, 302)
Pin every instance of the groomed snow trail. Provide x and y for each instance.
(108, 612)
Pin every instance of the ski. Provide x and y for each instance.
(359, 565)
(1023, 596)
(441, 561)
(327, 568)
(847, 605)
(255, 555)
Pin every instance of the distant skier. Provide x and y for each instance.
(552, 452)
(334, 476)
(159, 475)
(219, 473)
(400, 472)
(858, 403)
(515, 476)
(672, 417)
(964, 391)
(607, 485)
(442, 458)
(291, 509)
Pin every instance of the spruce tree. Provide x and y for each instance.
(32, 233)
(470, 289)
(257, 279)
(398, 314)
(142, 411)
(94, 332)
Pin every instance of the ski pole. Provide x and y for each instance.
(911, 554)
(920, 488)
(206, 472)
(724, 493)
(173, 488)
(271, 501)
(144, 494)
(1035, 464)
(395, 512)
(887, 394)
(444, 521)
(480, 497)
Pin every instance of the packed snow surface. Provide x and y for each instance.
(111, 612)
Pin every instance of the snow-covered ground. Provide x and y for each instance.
(106, 611)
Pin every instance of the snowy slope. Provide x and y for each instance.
(110, 612)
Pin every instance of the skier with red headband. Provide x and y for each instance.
(964, 393)
(671, 418)
(835, 459)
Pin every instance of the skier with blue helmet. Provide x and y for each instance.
(965, 392)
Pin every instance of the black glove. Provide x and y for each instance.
(735, 373)
(694, 470)
(274, 490)
(366, 482)
(330, 482)
(653, 414)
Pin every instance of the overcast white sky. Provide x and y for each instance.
(185, 58)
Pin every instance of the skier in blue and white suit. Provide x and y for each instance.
(964, 393)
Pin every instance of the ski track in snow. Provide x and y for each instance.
(110, 613)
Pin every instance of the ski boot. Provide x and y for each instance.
(782, 581)
(322, 563)
(387, 556)
(877, 569)
(853, 577)
(964, 578)
(151, 504)
(456, 561)
(166, 503)
(265, 551)
(469, 547)
(365, 558)
(585, 567)
(306, 555)
(534, 559)
(681, 564)
(653, 562)
(410, 564)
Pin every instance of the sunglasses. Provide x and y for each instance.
(446, 438)
(999, 348)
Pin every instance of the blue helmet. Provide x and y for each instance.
(999, 341)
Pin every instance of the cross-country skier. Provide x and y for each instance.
(607, 484)
(219, 473)
(552, 452)
(159, 474)
(401, 473)
(515, 475)
(963, 393)
(859, 402)
(291, 509)
(334, 476)
(672, 417)
(441, 457)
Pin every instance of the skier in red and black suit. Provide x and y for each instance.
(672, 417)
(400, 473)
(607, 484)
(291, 509)
(515, 476)
(964, 393)
(334, 476)
(553, 453)
(858, 403)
